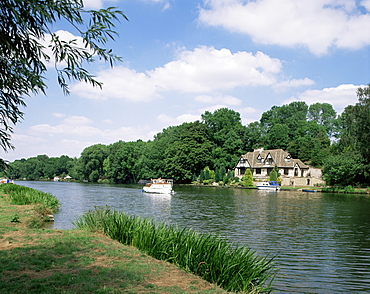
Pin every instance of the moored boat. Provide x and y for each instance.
(309, 190)
(270, 186)
(6, 181)
(161, 186)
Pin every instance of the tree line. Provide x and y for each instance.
(315, 134)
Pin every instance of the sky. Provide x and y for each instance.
(181, 58)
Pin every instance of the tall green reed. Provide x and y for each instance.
(22, 195)
(231, 266)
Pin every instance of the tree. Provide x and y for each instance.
(273, 175)
(324, 114)
(344, 169)
(189, 153)
(90, 164)
(121, 164)
(24, 26)
(227, 134)
(248, 179)
(356, 119)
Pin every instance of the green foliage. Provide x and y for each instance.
(226, 133)
(303, 132)
(344, 169)
(40, 167)
(211, 147)
(24, 26)
(356, 125)
(349, 189)
(248, 178)
(233, 267)
(188, 153)
(273, 175)
(90, 164)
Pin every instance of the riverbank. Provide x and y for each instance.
(335, 189)
(73, 261)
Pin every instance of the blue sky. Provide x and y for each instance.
(183, 57)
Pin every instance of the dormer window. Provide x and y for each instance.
(269, 160)
(259, 159)
(287, 159)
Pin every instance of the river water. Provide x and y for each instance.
(321, 241)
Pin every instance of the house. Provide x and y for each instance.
(292, 171)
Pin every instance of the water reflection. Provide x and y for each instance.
(321, 241)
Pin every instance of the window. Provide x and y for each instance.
(258, 171)
(259, 159)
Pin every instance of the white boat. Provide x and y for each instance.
(271, 186)
(6, 181)
(161, 186)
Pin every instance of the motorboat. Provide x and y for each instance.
(6, 181)
(161, 186)
(270, 186)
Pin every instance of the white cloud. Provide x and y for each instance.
(207, 69)
(121, 83)
(203, 70)
(77, 127)
(366, 4)
(339, 97)
(212, 108)
(63, 36)
(249, 114)
(96, 4)
(59, 115)
(316, 24)
(166, 4)
(178, 120)
(294, 83)
(229, 100)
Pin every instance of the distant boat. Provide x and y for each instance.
(271, 186)
(308, 190)
(160, 186)
(6, 181)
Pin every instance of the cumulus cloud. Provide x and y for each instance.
(81, 126)
(96, 4)
(166, 4)
(178, 120)
(318, 24)
(339, 96)
(227, 99)
(207, 69)
(63, 36)
(202, 70)
(121, 83)
(294, 83)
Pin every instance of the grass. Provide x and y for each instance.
(232, 267)
(78, 261)
(22, 195)
(43, 204)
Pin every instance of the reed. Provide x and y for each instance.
(233, 267)
(21, 195)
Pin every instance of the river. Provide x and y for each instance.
(321, 242)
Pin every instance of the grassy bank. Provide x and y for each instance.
(232, 267)
(77, 261)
